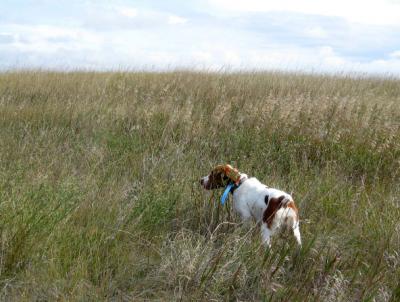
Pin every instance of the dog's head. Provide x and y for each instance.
(219, 177)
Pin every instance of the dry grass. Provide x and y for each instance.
(99, 194)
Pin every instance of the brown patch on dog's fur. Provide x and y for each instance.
(273, 205)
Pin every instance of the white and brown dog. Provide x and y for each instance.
(275, 209)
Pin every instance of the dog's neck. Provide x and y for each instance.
(243, 178)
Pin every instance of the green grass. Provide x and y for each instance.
(100, 199)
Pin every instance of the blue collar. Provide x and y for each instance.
(230, 188)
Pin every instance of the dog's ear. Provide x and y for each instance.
(232, 173)
(219, 169)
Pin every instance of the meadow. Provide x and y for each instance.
(100, 197)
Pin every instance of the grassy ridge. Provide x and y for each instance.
(99, 194)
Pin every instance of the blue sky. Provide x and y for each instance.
(308, 35)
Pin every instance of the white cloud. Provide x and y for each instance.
(6, 38)
(66, 47)
(359, 11)
(172, 19)
(395, 54)
(127, 11)
(316, 32)
(50, 39)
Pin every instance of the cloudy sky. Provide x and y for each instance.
(310, 35)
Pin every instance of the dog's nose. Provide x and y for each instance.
(202, 181)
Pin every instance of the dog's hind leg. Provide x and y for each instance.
(296, 232)
(266, 234)
(293, 220)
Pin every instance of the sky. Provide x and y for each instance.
(361, 36)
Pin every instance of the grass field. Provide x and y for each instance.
(100, 196)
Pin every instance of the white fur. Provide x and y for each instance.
(249, 202)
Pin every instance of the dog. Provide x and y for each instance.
(273, 208)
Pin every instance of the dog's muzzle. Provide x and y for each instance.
(204, 182)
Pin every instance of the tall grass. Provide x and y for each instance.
(99, 193)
